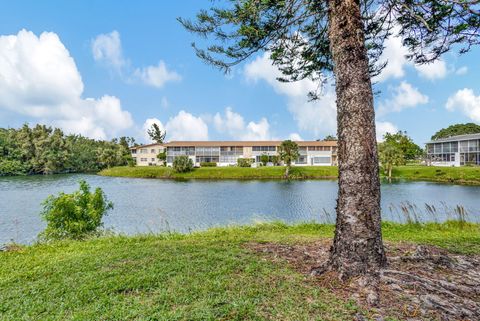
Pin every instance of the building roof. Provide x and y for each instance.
(144, 146)
(237, 143)
(455, 138)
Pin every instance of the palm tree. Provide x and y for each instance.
(288, 152)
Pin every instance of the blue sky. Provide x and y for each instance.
(110, 68)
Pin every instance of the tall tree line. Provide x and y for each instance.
(46, 150)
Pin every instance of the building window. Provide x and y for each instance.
(318, 148)
(134, 151)
(231, 151)
(264, 148)
(321, 160)
(143, 159)
(178, 151)
(207, 151)
(153, 159)
(152, 151)
(228, 159)
(143, 151)
(206, 159)
(301, 160)
(473, 145)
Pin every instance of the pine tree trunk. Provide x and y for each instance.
(357, 248)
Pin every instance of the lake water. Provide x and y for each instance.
(148, 205)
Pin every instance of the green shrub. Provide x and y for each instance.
(244, 162)
(182, 164)
(12, 167)
(74, 215)
(208, 164)
(275, 159)
(264, 159)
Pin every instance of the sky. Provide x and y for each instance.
(112, 68)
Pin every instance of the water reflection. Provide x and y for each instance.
(148, 205)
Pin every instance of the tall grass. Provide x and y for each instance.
(411, 213)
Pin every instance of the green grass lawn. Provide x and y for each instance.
(458, 175)
(269, 172)
(201, 276)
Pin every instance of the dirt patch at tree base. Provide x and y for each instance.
(420, 283)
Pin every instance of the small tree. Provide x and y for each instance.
(74, 215)
(288, 152)
(264, 159)
(156, 134)
(390, 155)
(182, 164)
(162, 156)
(409, 149)
(275, 160)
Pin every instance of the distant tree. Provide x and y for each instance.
(182, 164)
(74, 215)
(47, 150)
(401, 140)
(330, 138)
(390, 155)
(156, 134)
(288, 152)
(264, 159)
(457, 129)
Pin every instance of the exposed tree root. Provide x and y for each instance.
(420, 283)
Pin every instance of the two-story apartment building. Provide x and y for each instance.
(226, 153)
(146, 155)
(454, 151)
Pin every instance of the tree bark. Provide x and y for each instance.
(358, 247)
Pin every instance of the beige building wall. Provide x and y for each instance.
(147, 155)
(247, 152)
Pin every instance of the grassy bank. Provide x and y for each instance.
(269, 172)
(457, 175)
(201, 276)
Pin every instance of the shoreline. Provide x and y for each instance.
(469, 176)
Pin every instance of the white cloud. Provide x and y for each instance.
(295, 137)
(185, 126)
(317, 117)
(384, 127)
(465, 101)
(148, 124)
(461, 71)
(107, 48)
(156, 76)
(39, 79)
(258, 131)
(404, 96)
(432, 71)
(233, 124)
(394, 54)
